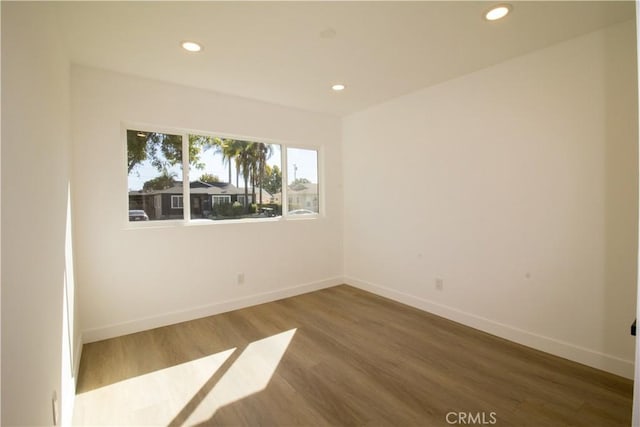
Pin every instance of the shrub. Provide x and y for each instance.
(237, 209)
(222, 210)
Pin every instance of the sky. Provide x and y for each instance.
(305, 160)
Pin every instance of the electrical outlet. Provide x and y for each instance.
(440, 284)
(240, 279)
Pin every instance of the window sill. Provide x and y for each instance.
(142, 225)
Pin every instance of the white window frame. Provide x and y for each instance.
(227, 199)
(320, 171)
(124, 127)
(186, 190)
(176, 197)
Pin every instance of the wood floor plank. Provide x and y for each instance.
(349, 358)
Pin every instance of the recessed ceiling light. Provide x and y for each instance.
(497, 12)
(191, 46)
(338, 87)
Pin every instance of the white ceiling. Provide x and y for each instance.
(290, 53)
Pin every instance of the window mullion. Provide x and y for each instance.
(186, 188)
(285, 179)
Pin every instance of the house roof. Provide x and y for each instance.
(265, 193)
(199, 187)
(303, 189)
(214, 189)
(299, 189)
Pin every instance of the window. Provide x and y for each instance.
(176, 202)
(219, 200)
(302, 173)
(154, 166)
(247, 172)
(216, 178)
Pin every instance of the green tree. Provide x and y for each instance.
(272, 179)
(251, 161)
(161, 182)
(136, 149)
(198, 144)
(262, 153)
(223, 146)
(228, 148)
(244, 163)
(162, 150)
(209, 178)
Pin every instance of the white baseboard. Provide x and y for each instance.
(119, 329)
(605, 362)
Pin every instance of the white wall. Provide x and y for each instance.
(36, 148)
(635, 420)
(1, 219)
(516, 185)
(130, 280)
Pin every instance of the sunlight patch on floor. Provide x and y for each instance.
(153, 398)
(167, 396)
(249, 374)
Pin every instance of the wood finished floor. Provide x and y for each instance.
(354, 359)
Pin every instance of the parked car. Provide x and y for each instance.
(268, 212)
(301, 212)
(138, 215)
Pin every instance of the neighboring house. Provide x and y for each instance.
(303, 196)
(267, 197)
(169, 203)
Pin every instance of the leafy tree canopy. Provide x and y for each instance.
(164, 150)
(272, 181)
(160, 182)
(209, 178)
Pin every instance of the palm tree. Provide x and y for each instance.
(253, 164)
(228, 149)
(250, 160)
(161, 182)
(244, 164)
(231, 150)
(263, 153)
